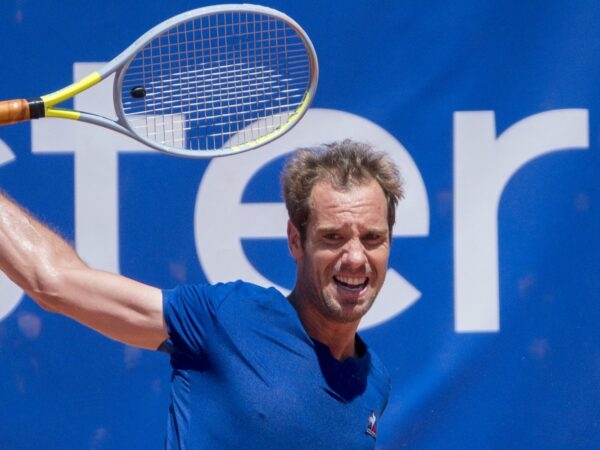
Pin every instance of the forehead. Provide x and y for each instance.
(360, 203)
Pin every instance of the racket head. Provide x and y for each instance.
(216, 81)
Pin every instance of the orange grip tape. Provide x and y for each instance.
(14, 111)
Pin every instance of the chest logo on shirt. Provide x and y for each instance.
(372, 425)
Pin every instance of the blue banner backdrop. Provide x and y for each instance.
(489, 322)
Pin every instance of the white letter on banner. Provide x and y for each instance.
(483, 165)
(96, 152)
(10, 293)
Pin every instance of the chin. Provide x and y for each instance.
(349, 313)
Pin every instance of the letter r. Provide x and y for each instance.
(483, 166)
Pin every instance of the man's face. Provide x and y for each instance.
(343, 261)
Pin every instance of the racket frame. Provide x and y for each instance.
(120, 63)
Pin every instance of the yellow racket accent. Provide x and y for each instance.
(63, 113)
(281, 130)
(71, 90)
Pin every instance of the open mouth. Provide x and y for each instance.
(351, 284)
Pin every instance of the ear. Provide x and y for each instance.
(294, 241)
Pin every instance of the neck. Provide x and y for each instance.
(339, 337)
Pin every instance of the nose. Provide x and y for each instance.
(354, 253)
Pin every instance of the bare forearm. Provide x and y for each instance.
(31, 254)
(45, 266)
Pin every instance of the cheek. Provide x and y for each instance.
(380, 259)
(320, 262)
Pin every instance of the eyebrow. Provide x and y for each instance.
(370, 230)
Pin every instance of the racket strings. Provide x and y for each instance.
(215, 81)
(222, 89)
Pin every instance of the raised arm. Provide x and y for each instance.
(46, 267)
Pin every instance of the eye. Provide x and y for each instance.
(372, 239)
(332, 237)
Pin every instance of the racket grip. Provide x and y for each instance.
(14, 111)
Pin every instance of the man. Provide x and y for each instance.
(251, 368)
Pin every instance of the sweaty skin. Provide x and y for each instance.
(342, 263)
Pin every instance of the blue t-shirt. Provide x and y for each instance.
(246, 375)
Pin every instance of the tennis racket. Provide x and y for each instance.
(209, 82)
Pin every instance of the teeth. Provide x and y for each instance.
(352, 281)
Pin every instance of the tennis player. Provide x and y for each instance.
(252, 369)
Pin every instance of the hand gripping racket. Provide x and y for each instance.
(209, 82)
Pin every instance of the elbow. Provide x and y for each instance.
(42, 289)
(46, 291)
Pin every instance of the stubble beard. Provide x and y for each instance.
(334, 311)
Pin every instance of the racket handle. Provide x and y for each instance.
(14, 111)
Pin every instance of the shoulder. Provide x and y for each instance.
(195, 314)
(214, 296)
